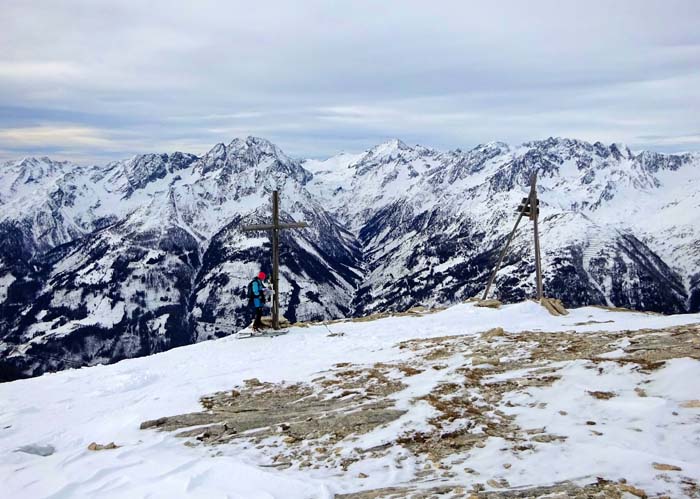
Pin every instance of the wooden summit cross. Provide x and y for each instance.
(275, 227)
(530, 206)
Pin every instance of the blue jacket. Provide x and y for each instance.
(258, 292)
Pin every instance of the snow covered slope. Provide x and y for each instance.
(552, 401)
(100, 263)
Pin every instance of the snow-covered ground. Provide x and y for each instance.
(64, 412)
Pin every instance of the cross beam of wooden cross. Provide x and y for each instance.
(275, 228)
(530, 207)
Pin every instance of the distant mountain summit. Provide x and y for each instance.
(251, 153)
(101, 263)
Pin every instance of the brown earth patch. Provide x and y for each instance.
(601, 489)
(284, 418)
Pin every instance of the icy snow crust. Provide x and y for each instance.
(66, 411)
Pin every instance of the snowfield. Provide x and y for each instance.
(60, 414)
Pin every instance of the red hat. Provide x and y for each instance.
(262, 276)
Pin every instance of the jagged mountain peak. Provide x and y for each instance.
(177, 159)
(39, 165)
(488, 149)
(31, 173)
(34, 160)
(492, 146)
(458, 164)
(392, 154)
(258, 150)
(246, 155)
(388, 148)
(396, 149)
(558, 142)
(619, 149)
(146, 168)
(568, 147)
(653, 161)
(258, 145)
(574, 159)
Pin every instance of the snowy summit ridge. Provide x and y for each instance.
(467, 400)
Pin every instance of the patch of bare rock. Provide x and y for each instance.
(320, 424)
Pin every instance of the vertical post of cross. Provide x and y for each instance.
(275, 227)
(275, 260)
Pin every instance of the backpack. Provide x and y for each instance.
(251, 294)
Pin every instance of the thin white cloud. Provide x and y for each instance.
(29, 70)
(216, 117)
(54, 136)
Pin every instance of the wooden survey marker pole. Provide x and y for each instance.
(530, 207)
(275, 227)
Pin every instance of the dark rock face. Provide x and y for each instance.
(147, 255)
(93, 301)
(319, 257)
(694, 300)
(148, 168)
(626, 273)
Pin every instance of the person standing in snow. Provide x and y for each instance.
(256, 298)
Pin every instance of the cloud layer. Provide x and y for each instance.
(103, 80)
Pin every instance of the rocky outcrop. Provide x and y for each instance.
(456, 396)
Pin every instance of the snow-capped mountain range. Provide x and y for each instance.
(106, 262)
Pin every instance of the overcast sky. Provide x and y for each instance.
(99, 80)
